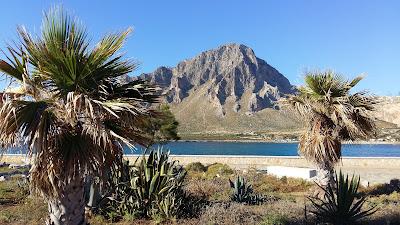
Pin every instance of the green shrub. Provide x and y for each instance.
(195, 167)
(219, 169)
(275, 219)
(243, 193)
(151, 188)
(265, 183)
(339, 205)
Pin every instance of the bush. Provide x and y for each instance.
(339, 205)
(195, 167)
(151, 188)
(243, 193)
(265, 183)
(275, 219)
(219, 169)
(216, 189)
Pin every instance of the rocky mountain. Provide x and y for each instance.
(388, 109)
(224, 90)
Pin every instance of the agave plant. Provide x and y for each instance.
(151, 187)
(340, 205)
(243, 193)
(331, 114)
(69, 104)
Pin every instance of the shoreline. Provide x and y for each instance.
(231, 156)
(285, 141)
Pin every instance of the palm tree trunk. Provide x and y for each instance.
(325, 176)
(69, 208)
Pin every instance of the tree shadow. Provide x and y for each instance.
(391, 219)
(382, 189)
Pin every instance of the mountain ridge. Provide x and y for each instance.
(230, 91)
(225, 89)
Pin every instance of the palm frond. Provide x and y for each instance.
(74, 114)
(332, 114)
(16, 63)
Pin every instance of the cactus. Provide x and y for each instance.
(151, 187)
(243, 193)
(340, 204)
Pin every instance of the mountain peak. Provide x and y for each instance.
(230, 77)
(230, 52)
(234, 46)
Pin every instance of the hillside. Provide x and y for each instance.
(389, 109)
(225, 90)
(229, 92)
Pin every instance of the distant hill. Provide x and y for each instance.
(230, 91)
(389, 109)
(225, 90)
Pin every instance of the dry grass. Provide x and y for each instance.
(31, 211)
(233, 213)
(264, 183)
(216, 189)
(18, 208)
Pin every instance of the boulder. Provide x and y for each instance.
(4, 178)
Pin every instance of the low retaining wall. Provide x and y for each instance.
(371, 169)
(241, 162)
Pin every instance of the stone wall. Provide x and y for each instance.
(371, 170)
(243, 162)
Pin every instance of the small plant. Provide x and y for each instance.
(275, 219)
(218, 170)
(340, 205)
(196, 167)
(243, 193)
(23, 186)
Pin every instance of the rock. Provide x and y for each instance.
(229, 70)
(4, 178)
(221, 89)
(388, 109)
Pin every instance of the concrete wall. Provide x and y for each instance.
(241, 162)
(371, 169)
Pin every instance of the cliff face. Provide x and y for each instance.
(388, 109)
(228, 72)
(223, 90)
(230, 90)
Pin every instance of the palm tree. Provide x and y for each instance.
(331, 114)
(74, 111)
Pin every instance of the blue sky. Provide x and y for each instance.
(352, 37)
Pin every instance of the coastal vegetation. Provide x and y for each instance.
(332, 114)
(68, 104)
(163, 127)
(340, 205)
(150, 188)
(74, 108)
(285, 202)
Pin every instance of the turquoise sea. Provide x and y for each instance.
(260, 149)
(271, 149)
